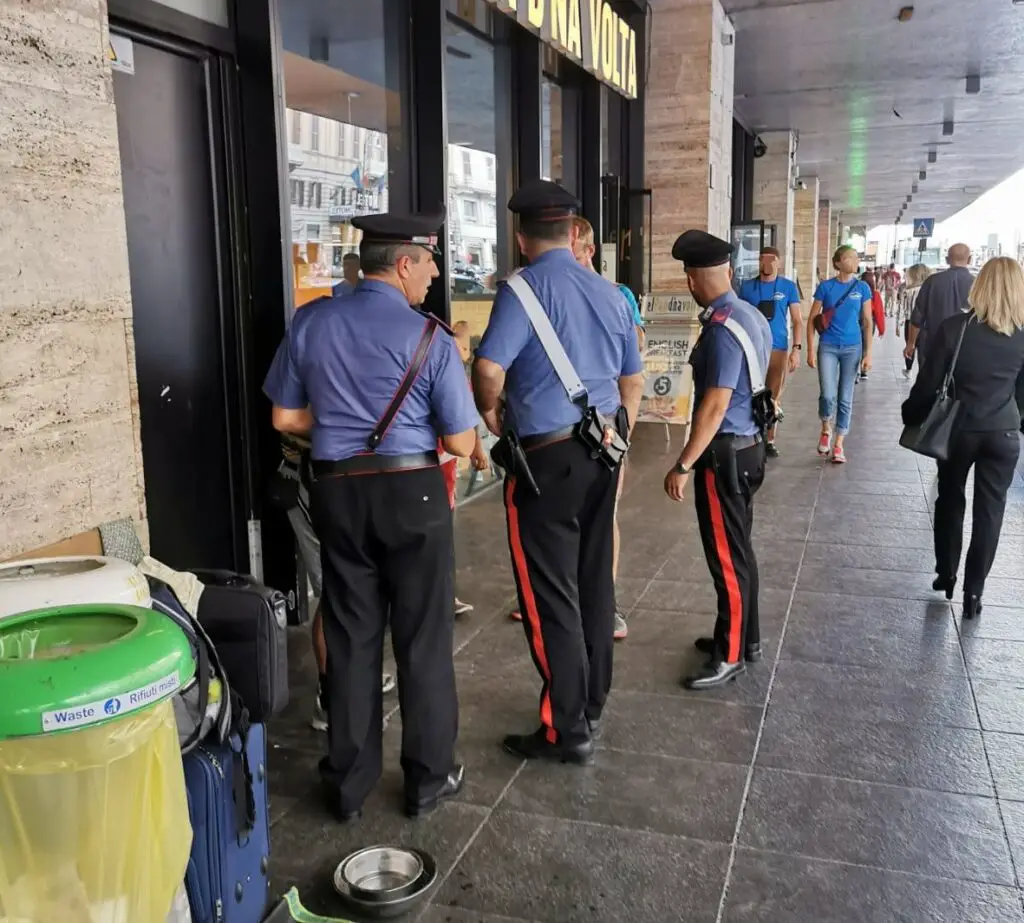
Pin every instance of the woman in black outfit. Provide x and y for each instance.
(990, 386)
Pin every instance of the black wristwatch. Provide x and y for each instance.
(680, 468)
(798, 346)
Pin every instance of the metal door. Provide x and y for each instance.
(182, 307)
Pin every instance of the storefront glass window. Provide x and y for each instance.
(342, 66)
(552, 154)
(476, 184)
(479, 145)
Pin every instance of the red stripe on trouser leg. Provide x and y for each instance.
(732, 585)
(530, 614)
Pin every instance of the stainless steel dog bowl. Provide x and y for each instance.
(381, 873)
(385, 881)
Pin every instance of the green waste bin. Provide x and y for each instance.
(92, 793)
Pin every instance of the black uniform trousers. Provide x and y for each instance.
(386, 546)
(725, 517)
(994, 458)
(561, 546)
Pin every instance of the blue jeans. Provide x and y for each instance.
(838, 367)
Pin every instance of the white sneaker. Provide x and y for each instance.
(319, 720)
(462, 608)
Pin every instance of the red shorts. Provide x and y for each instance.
(450, 470)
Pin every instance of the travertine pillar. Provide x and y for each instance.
(70, 455)
(826, 244)
(689, 128)
(805, 235)
(773, 192)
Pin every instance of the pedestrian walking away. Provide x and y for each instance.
(778, 299)
(841, 318)
(375, 383)
(916, 277)
(725, 451)
(562, 348)
(985, 350)
(943, 295)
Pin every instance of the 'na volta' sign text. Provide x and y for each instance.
(589, 31)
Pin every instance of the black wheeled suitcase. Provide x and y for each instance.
(248, 625)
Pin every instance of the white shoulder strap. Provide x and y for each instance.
(753, 361)
(548, 338)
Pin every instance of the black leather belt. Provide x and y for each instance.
(540, 440)
(739, 443)
(373, 464)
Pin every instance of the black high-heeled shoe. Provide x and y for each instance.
(944, 585)
(972, 606)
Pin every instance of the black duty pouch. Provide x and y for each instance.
(767, 308)
(725, 465)
(590, 432)
(762, 405)
(508, 454)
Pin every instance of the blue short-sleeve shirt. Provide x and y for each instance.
(345, 358)
(718, 361)
(782, 292)
(599, 337)
(634, 307)
(844, 330)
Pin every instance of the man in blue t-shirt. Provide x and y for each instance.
(778, 299)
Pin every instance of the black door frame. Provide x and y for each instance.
(207, 44)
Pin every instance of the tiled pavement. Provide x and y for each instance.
(870, 769)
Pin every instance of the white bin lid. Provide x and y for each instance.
(45, 582)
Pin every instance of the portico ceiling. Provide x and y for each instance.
(868, 96)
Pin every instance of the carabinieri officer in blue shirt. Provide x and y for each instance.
(561, 540)
(725, 452)
(778, 299)
(380, 507)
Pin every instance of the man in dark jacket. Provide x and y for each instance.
(942, 296)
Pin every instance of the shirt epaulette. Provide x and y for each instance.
(440, 323)
(721, 315)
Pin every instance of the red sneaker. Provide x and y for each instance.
(516, 615)
(825, 444)
(838, 456)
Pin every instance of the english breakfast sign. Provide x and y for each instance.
(588, 31)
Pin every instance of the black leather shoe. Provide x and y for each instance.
(752, 654)
(714, 676)
(944, 585)
(536, 746)
(342, 814)
(594, 724)
(771, 450)
(452, 786)
(972, 607)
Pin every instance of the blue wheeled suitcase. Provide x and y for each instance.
(226, 879)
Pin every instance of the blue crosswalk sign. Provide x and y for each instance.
(924, 227)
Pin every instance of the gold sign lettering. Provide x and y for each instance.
(592, 30)
(560, 23)
(631, 82)
(588, 31)
(609, 40)
(574, 44)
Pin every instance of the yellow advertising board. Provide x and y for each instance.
(668, 388)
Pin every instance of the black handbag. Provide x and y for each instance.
(933, 437)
